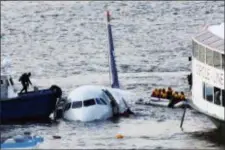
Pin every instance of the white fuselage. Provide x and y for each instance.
(89, 103)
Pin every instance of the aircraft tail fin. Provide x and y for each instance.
(112, 62)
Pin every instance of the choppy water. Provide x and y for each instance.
(65, 43)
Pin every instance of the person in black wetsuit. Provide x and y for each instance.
(189, 78)
(25, 81)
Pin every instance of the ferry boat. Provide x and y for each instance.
(208, 94)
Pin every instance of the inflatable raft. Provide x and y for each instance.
(21, 142)
(155, 101)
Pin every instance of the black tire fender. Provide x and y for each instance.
(57, 90)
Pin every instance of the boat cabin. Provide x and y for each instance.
(208, 59)
(7, 87)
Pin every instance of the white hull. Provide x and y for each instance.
(199, 103)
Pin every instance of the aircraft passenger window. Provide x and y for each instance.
(77, 104)
(67, 107)
(208, 93)
(217, 59)
(103, 101)
(89, 102)
(217, 95)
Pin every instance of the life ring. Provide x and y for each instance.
(57, 90)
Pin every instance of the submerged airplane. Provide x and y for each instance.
(92, 102)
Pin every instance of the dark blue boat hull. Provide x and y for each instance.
(36, 105)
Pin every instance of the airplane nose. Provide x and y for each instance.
(88, 114)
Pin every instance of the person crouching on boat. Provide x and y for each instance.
(25, 81)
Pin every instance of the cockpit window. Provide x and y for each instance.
(103, 101)
(67, 106)
(89, 102)
(100, 101)
(77, 104)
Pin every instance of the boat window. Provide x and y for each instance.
(67, 106)
(223, 97)
(1, 81)
(208, 92)
(193, 48)
(89, 102)
(11, 81)
(223, 58)
(201, 53)
(217, 96)
(209, 57)
(217, 59)
(77, 104)
(196, 50)
(203, 90)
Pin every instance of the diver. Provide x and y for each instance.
(25, 81)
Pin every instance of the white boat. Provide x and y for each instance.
(22, 142)
(162, 102)
(208, 94)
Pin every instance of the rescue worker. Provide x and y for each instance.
(25, 81)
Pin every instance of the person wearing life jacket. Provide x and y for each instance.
(169, 93)
(164, 93)
(160, 93)
(154, 93)
(182, 96)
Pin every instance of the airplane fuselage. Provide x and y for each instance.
(90, 102)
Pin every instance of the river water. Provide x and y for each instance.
(65, 43)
